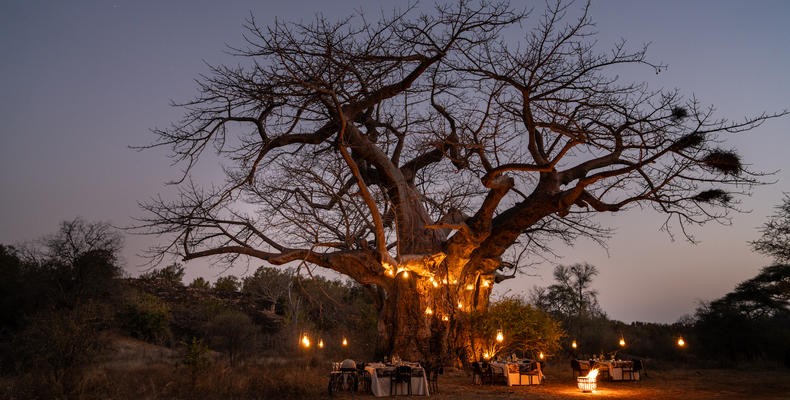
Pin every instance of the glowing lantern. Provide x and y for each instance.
(460, 305)
(573, 344)
(485, 283)
(435, 284)
(391, 272)
(428, 310)
(305, 341)
(455, 281)
(499, 336)
(540, 355)
(622, 342)
(320, 343)
(681, 342)
(587, 383)
(445, 318)
(345, 342)
(486, 356)
(444, 281)
(470, 287)
(405, 274)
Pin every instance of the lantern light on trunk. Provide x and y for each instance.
(499, 336)
(587, 383)
(486, 356)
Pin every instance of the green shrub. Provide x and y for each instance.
(147, 318)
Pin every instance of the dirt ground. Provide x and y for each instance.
(673, 384)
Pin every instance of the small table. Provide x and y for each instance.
(381, 377)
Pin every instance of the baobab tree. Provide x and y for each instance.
(424, 156)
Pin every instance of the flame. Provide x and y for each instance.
(593, 374)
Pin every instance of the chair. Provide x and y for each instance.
(636, 366)
(402, 374)
(363, 379)
(487, 373)
(578, 369)
(432, 373)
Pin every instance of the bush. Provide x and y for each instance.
(172, 274)
(233, 333)
(227, 284)
(147, 318)
(200, 283)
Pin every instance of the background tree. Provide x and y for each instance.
(172, 274)
(268, 285)
(429, 145)
(775, 239)
(572, 299)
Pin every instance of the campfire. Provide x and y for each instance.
(587, 383)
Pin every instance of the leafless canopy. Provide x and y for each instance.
(362, 144)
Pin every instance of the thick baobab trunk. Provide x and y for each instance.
(428, 318)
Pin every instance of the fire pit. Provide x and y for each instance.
(587, 383)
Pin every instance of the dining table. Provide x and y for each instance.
(381, 378)
(522, 372)
(613, 369)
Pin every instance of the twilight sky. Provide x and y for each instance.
(82, 80)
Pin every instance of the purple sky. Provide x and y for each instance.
(81, 81)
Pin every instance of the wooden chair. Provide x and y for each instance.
(402, 374)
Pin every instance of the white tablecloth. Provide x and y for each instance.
(380, 385)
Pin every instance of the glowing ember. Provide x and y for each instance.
(587, 383)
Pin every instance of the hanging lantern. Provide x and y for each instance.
(460, 305)
(486, 356)
(391, 272)
(470, 287)
(622, 342)
(573, 344)
(540, 355)
(444, 281)
(320, 343)
(345, 342)
(405, 274)
(445, 318)
(428, 310)
(499, 336)
(485, 283)
(681, 342)
(435, 284)
(305, 341)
